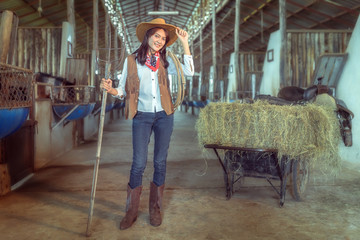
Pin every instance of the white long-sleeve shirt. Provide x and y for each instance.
(149, 92)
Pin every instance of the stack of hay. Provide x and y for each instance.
(305, 132)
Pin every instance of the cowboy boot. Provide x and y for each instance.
(132, 207)
(155, 204)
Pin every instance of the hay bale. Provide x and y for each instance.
(305, 132)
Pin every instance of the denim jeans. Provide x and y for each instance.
(144, 123)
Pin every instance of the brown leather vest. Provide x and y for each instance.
(133, 84)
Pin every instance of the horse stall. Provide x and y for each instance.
(250, 73)
(16, 115)
(16, 126)
(304, 48)
(63, 100)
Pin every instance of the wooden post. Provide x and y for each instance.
(283, 39)
(220, 55)
(43, 64)
(5, 34)
(71, 20)
(116, 52)
(5, 181)
(20, 48)
(1, 152)
(87, 39)
(11, 59)
(95, 40)
(214, 46)
(201, 78)
(239, 85)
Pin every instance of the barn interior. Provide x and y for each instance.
(53, 113)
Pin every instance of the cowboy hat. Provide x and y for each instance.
(143, 27)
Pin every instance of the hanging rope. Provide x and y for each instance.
(181, 80)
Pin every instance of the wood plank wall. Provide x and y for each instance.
(38, 49)
(305, 47)
(249, 62)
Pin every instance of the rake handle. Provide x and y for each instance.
(98, 151)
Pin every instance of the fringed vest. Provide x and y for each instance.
(133, 84)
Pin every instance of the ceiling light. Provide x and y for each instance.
(163, 13)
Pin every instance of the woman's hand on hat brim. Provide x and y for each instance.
(182, 35)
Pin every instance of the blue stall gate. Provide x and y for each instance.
(72, 102)
(16, 90)
(16, 146)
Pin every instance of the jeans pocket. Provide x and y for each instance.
(138, 115)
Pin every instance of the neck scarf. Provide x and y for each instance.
(153, 61)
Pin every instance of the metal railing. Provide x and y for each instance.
(73, 94)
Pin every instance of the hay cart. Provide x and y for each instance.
(238, 163)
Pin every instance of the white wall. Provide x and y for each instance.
(91, 124)
(348, 90)
(270, 83)
(52, 143)
(49, 143)
(211, 83)
(231, 77)
(67, 35)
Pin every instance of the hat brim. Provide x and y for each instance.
(142, 28)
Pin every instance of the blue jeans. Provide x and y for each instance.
(144, 123)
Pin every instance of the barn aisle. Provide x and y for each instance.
(54, 203)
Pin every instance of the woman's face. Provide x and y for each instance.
(157, 40)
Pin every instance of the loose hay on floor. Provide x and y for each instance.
(305, 132)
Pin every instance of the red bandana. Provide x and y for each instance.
(153, 61)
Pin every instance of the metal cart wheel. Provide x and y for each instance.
(299, 178)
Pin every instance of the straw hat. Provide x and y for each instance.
(142, 28)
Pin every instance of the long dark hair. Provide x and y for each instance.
(144, 47)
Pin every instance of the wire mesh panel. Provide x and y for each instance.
(15, 87)
(74, 94)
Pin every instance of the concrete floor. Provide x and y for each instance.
(54, 203)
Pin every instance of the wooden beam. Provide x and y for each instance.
(5, 34)
(283, 42)
(71, 19)
(236, 42)
(201, 79)
(214, 63)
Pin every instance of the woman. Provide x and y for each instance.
(145, 85)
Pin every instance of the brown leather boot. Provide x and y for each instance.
(132, 207)
(155, 204)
